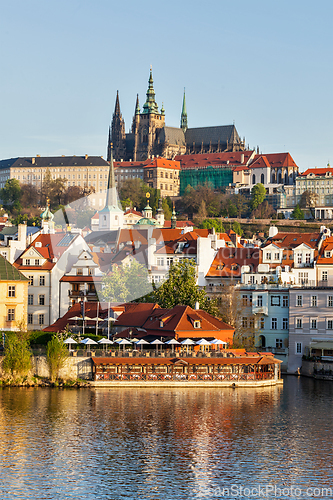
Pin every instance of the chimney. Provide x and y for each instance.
(86, 157)
(196, 307)
(22, 233)
(33, 160)
(242, 158)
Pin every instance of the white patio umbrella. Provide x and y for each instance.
(76, 318)
(118, 340)
(142, 342)
(88, 342)
(105, 341)
(218, 342)
(173, 342)
(157, 342)
(124, 342)
(203, 342)
(187, 342)
(70, 341)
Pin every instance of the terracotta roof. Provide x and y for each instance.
(81, 279)
(179, 224)
(279, 160)
(260, 162)
(132, 211)
(245, 360)
(228, 262)
(239, 169)
(51, 247)
(292, 240)
(316, 171)
(163, 163)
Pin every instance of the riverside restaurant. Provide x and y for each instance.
(186, 369)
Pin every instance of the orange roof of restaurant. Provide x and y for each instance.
(245, 360)
(228, 262)
(179, 224)
(177, 322)
(225, 159)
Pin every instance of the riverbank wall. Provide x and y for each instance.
(317, 369)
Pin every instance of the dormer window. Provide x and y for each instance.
(327, 254)
(197, 324)
(79, 271)
(268, 256)
(161, 324)
(36, 262)
(27, 262)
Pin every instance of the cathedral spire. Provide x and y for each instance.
(137, 107)
(117, 106)
(150, 105)
(183, 119)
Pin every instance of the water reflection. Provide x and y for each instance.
(163, 443)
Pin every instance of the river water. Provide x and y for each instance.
(163, 444)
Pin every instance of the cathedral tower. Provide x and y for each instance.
(183, 118)
(148, 125)
(117, 134)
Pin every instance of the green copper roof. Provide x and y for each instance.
(150, 105)
(47, 214)
(9, 273)
(146, 222)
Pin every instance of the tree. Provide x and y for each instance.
(202, 212)
(56, 356)
(212, 223)
(233, 312)
(166, 209)
(240, 203)
(29, 196)
(309, 199)
(258, 194)
(237, 228)
(263, 211)
(17, 359)
(126, 283)
(180, 289)
(297, 213)
(11, 194)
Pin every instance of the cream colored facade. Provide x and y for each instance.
(13, 304)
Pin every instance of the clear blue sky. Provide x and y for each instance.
(265, 65)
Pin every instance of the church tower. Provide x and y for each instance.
(183, 118)
(148, 125)
(117, 134)
(112, 216)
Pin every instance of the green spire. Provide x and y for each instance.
(162, 109)
(137, 107)
(150, 105)
(183, 119)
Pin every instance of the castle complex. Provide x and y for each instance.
(150, 136)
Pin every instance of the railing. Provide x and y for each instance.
(183, 377)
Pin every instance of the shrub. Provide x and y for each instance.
(17, 359)
(56, 355)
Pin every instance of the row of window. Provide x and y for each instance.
(40, 319)
(249, 323)
(298, 257)
(31, 262)
(166, 187)
(313, 301)
(300, 323)
(275, 300)
(34, 282)
(40, 300)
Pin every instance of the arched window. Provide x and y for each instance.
(253, 179)
(279, 178)
(273, 178)
(262, 340)
(262, 179)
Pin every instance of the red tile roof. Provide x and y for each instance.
(163, 163)
(279, 160)
(245, 360)
(228, 262)
(260, 162)
(292, 240)
(317, 171)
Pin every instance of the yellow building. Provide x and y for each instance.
(13, 297)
